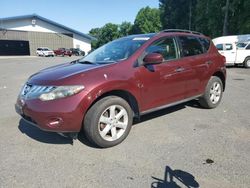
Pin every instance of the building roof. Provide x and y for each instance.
(32, 16)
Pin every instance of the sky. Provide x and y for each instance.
(81, 15)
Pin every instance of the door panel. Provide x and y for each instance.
(164, 83)
(229, 51)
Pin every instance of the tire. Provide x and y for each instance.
(101, 127)
(247, 63)
(213, 93)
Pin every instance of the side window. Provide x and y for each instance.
(166, 47)
(190, 46)
(228, 47)
(248, 47)
(219, 47)
(205, 43)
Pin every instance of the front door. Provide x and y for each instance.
(164, 83)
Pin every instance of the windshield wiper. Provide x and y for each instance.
(105, 62)
(86, 62)
(73, 62)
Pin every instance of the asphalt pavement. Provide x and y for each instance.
(180, 146)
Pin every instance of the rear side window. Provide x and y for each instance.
(190, 46)
(248, 47)
(205, 43)
(219, 47)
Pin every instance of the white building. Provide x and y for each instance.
(22, 35)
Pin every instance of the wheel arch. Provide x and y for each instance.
(127, 96)
(248, 57)
(222, 77)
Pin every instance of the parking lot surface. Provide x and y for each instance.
(178, 146)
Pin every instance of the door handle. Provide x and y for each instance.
(209, 62)
(179, 69)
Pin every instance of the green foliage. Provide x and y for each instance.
(104, 34)
(209, 17)
(125, 29)
(206, 16)
(177, 14)
(147, 21)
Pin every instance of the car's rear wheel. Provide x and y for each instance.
(247, 62)
(213, 93)
(108, 122)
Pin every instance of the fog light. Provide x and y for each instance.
(55, 122)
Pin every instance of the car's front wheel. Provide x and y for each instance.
(213, 93)
(108, 122)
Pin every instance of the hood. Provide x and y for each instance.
(60, 72)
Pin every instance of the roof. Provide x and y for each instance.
(32, 16)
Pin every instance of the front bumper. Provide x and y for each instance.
(62, 115)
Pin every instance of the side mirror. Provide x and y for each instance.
(153, 58)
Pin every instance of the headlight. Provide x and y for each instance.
(61, 92)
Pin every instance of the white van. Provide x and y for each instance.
(236, 49)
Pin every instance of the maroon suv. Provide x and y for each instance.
(63, 52)
(124, 79)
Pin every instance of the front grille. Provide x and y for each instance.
(34, 90)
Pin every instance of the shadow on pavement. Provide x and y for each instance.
(175, 179)
(53, 138)
(169, 110)
(42, 136)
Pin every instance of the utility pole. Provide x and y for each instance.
(190, 15)
(225, 30)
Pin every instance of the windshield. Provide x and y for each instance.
(46, 49)
(115, 51)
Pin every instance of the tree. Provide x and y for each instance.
(177, 14)
(209, 17)
(104, 34)
(125, 29)
(147, 21)
(95, 32)
(225, 24)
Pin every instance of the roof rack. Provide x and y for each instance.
(182, 31)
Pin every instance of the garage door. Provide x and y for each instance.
(14, 47)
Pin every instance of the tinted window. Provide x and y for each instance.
(190, 46)
(166, 47)
(241, 45)
(205, 43)
(219, 47)
(248, 47)
(38, 48)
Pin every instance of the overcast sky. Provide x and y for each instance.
(81, 15)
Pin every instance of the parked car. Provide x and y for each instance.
(45, 52)
(77, 52)
(236, 51)
(63, 52)
(101, 93)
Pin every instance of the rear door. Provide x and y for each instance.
(193, 52)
